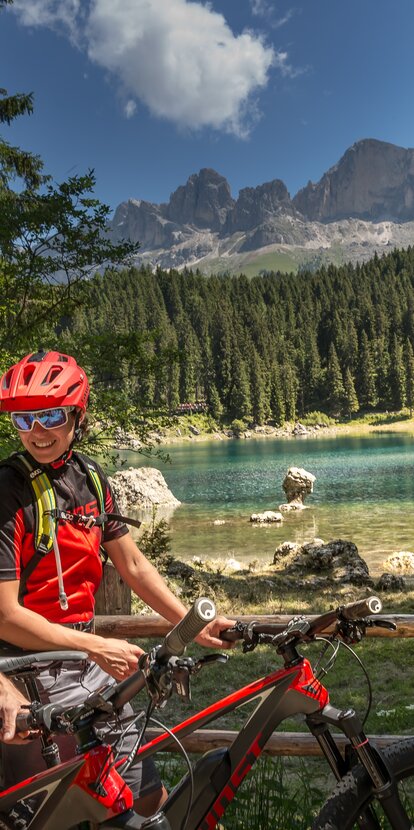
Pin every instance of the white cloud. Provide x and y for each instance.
(180, 58)
(266, 9)
(59, 14)
(130, 108)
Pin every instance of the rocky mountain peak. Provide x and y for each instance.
(373, 180)
(203, 201)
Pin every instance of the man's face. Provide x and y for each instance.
(46, 445)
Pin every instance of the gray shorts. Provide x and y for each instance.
(69, 685)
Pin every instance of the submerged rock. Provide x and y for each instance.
(141, 487)
(268, 517)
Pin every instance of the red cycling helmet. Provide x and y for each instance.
(44, 380)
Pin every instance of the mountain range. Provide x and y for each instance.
(361, 205)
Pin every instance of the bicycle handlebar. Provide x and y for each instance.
(353, 611)
(201, 612)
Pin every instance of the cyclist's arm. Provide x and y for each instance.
(28, 630)
(147, 583)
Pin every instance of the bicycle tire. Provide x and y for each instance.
(354, 792)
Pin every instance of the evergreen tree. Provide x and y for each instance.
(240, 404)
(277, 400)
(259, 400)
(350, 399)
(335, 392)
(366, 377)
(397, 379)
(409, 374)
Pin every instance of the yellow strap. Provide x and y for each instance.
(45, 500)
(98, 487)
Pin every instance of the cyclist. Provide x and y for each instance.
(47, 595)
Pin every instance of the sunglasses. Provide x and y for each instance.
(47, 418)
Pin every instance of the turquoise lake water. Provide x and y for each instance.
(364, 492)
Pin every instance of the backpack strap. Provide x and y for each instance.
(44, 504)
(96, 480)
(44, 498)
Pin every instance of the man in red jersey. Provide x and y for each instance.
(47, 585)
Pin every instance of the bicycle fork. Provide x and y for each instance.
(384, 785)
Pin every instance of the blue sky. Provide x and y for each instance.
(148, 92)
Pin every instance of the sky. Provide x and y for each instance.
(148, 92)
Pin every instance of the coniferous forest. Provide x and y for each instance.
(338, 340)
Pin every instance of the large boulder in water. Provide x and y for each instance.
(297, 484)
(140, 488)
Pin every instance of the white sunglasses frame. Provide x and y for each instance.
(35, 412)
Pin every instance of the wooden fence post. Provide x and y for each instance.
(113, 595)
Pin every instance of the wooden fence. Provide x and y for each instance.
(280, 743)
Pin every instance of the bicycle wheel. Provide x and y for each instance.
(354, 792)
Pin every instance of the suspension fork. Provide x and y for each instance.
(383, 781)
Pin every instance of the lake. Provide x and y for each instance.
(364, 492)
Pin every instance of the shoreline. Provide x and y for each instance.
(290, 432)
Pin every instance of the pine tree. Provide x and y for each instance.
(397, 378)
(350, 399)
(409, 374)
(335, 392)
(366, 377)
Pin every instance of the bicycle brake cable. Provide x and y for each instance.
(323, 670)
(188, 762)
(358, 659)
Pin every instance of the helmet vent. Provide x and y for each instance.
(28, 373)
(52, 374)
(37, 357)
(63, 358)
(6, 380)
(72, 388)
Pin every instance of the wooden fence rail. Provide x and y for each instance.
(137, 625)
(280, 743)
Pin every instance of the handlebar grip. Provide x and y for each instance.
(202, 612)
(24, 721)
(362, 608)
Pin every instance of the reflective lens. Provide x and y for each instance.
(47, 418)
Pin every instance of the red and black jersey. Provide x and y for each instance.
(78, 545)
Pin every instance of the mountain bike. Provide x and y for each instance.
(373, 789)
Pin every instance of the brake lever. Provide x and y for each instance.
(381, 623)
(208, 660)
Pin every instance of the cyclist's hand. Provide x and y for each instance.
(210, 635)
(11, 702)
(117, 657)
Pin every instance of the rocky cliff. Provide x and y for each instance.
(361, 205)
(373, 180)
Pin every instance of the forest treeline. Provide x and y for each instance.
(274, 347)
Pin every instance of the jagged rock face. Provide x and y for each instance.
(362, 205)
(373, 180)
(256, 205)
(204, 201)
(143, 222)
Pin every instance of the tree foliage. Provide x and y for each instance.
(274, 347)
